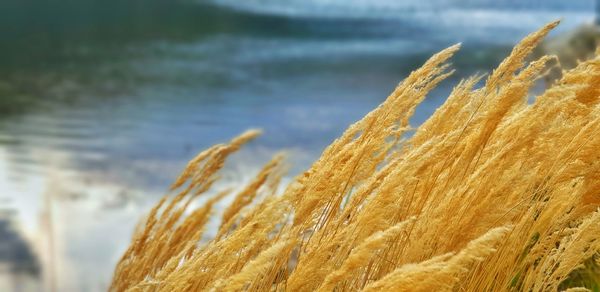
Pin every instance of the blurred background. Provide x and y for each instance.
(102, 102)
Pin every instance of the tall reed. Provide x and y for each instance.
(491, 193)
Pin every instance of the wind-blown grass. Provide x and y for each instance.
(491, 193)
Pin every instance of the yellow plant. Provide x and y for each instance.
(491, 193)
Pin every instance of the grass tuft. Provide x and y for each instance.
(491, 193)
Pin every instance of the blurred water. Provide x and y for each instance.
(102, 103)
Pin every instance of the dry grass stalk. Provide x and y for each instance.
(491, 193)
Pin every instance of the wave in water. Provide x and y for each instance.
(391, 8)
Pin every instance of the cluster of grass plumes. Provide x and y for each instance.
(493, 192)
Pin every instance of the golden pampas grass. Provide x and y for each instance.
(491, 193)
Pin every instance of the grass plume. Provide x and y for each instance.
(491, 193)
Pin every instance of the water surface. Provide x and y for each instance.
(103, 102)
